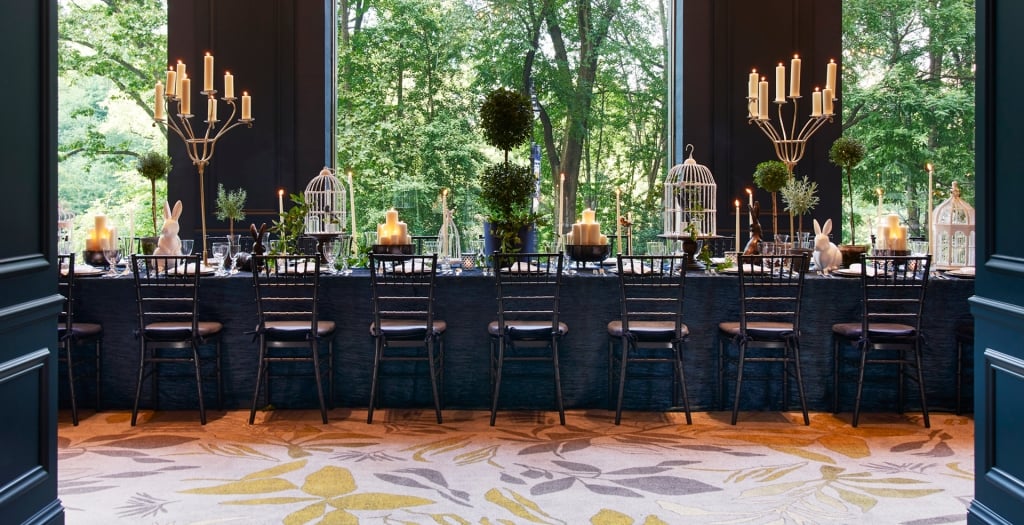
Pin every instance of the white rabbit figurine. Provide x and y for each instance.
(827, 256)
(169, 242)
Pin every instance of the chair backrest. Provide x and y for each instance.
(771, 289)
(528, 287)
(651, 288)
(167, 290)
(287, 289)
(403, 289)
(66, 287)
(894, 289)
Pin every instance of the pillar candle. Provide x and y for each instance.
(179, 76)
(158, 112)
(762, 100)
(588, 216)
(170, 81)
(208, 72)
(780, 83)
(830, 78)
(246, 106)
(752, 84)
(618, 215)
(391, 217)
(560, 207)
(229, 85)
(827, 98)
(211, 109)
(931, 192)
(816, 103)
(879, 210)
(186, 96)
(280, 203)
(794, 76)
(737, 225)
(352, 210)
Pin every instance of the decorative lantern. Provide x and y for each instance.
(690, 192)
(326, 203)
(952, 235)
(448, 246)
(65, 226)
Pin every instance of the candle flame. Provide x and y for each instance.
(280, 193)
(737, 203)
(796, 55)
(245, 93)
(750, 191)
(928, 166)
(207, 53)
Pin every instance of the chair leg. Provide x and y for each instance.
(330, 373)
(739, 380)
(261, 373)
(68, 345)
(378, 350)
(678, 363)
(623, 363)
(314, 349)
(920, 383)
(199, 382)
(99, 375)
(864, 347)
(496, 386)
(217, 371)
(835, 375)
(800, 381)
(433, 368)
(959, 376)
(138, 384)
(558, 380)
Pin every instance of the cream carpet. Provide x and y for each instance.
(406, 469)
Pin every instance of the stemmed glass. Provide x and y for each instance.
(220, 252)
(112, 254)
(331, 249)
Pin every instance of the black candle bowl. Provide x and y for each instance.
(94, 258)
(588, 252)
(392, 249)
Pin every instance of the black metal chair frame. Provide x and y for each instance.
(167, 299)
(964, 337)
(72, 335)
(650, 328)
(771, 293)
(287, 303)
(403, 318)
(528, 287)
(892, 303)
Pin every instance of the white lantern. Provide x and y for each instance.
(952, 232)
(326, 204)
(690, 193)
(65, 227)
(448, 246)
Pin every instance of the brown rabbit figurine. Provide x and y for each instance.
(257, 239)
(754, 244)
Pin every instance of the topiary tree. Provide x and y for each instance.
(153, 166)
(847, 153)
(507, 119)
(772, 176)
(230, 207)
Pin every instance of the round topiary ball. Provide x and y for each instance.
(506, 117)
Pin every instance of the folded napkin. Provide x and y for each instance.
(414, 266)
(855, 268)
(966, 270)
(522, 267)
(634, 267)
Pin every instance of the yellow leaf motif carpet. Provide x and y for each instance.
(405, 469)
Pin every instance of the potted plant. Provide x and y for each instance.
(291, 226)
(772, 176)
(800, 197)
(153, 166)
(506, 189)
(230, 207)
(847, 153)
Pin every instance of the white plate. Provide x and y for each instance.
(963, 273)
(852, 272)
(82, 269)
(735, 269)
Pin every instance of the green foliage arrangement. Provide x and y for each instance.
(506, 189)
(772, 176)
(800, 197)
(291, 226)
(230, 206)
(153, 166)
(847, 153)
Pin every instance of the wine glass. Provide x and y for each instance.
(233, 250)
(112, 254)
(186, 246)
(220, 252)
(331, 249)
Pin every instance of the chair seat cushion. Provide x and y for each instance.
(856, 330)
(296, 330)
(174, 330)
(762, 330)
(81, 330)
(527, 329)
(406, 328)
(650, 330)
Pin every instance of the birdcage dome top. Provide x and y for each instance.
(325, 181)
(690, 197)
(954, 210)
(690, 172)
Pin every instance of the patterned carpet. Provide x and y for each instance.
(406, 469)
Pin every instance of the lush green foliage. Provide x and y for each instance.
(230, 206)
(847, 153)
(507, 119)
(506, 192)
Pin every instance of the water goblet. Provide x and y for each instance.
(186, 246)
(234, 249)
(112, 254)
(220, 252)
(332, 247)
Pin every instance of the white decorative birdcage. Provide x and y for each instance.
(690, 193)
(448, 245)
(65, 227)
(326, 204)
(952, 235)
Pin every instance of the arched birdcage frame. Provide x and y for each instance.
(65, 228)
(953, 232)
(326, 200)
(448, 246)
(690, 196)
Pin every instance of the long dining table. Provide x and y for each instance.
(466, 301)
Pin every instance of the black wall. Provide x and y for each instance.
(276, 51)
(723, 41)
